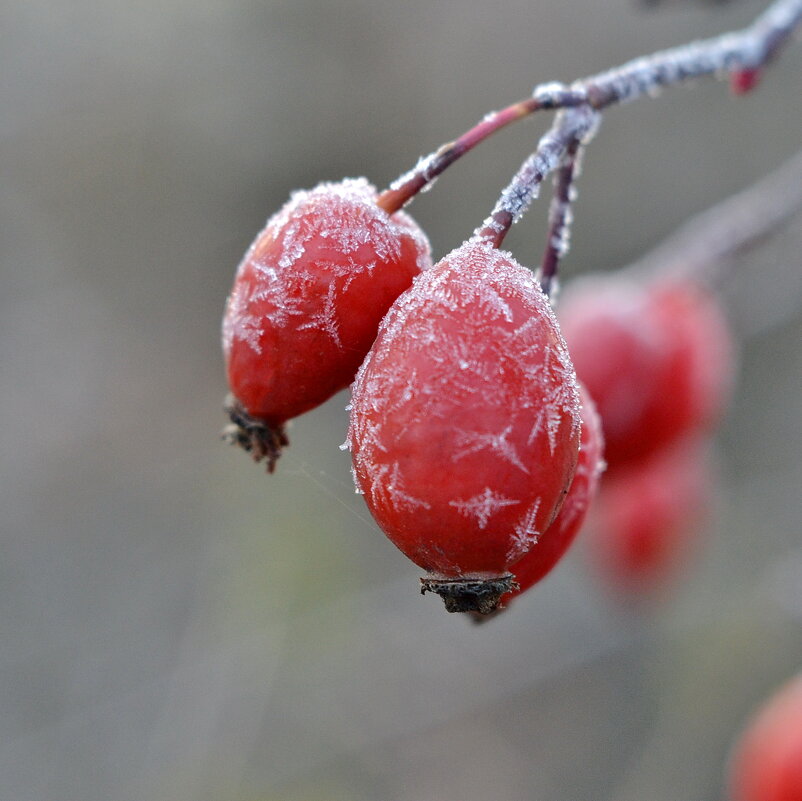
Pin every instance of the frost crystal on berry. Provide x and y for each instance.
(526, 534)
(390, 484)
(483, 506)
(474, 441)
(325, 319)
(239, 324)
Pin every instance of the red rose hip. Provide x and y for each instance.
(553, 543)
(657, 358)
(306, 302)
(648, 515)
(465, 423)
(766, 764)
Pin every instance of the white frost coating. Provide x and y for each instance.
(515, 200)
(492, 302)
(563, 395)
(646, 75)
(549, 420)
(489, 229)
(357, 488)
(525, 533)
(345, 216)
(238, 323)
(423, 168)
(388, 489)
(549, 93)
(468, 442)
(483, 506)
(293, 249)
(555, 288)
(571, 125)
(355, 269)
(561, 240)
(482, 307)
(325, 319)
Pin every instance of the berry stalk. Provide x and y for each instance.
(403, 189)
(571, 128)
(558, 237)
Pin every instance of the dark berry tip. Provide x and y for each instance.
(261, 439)
(482, 596)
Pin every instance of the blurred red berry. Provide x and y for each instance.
(648, 514)
(552, 544)
(306, 302)
(744, 81)
(766, 764)
(465, 422)
(656, 358)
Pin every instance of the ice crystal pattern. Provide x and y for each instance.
(525, 534)
(483, 506)
(344, 217)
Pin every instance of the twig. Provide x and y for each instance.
(423, 174)
(571, 128)
(748, 49)
(702, 247)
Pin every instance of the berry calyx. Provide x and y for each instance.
(766, 764)
(657, 358)
(554, 542)
(306, 302)
(465, 423)
(257, 437)
(481, 596)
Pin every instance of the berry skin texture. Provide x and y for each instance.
(766, 764)
(656, 358)
(553, 543)
(307, 299)
(647, 516)
(465, 422)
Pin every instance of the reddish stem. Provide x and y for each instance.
(559, 219)
(407, 186)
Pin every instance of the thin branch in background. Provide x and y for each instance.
(703, 247)
(749, 49)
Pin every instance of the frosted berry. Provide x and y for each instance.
(766, 764)
(465, 423)
(553, 543)
(306, 302)
(648, 515)
(656, 358)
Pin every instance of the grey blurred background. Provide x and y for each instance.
(174, 624)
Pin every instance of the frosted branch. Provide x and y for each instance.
(703, 246)
(571, 128)
(558, 238)
(748, 49)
